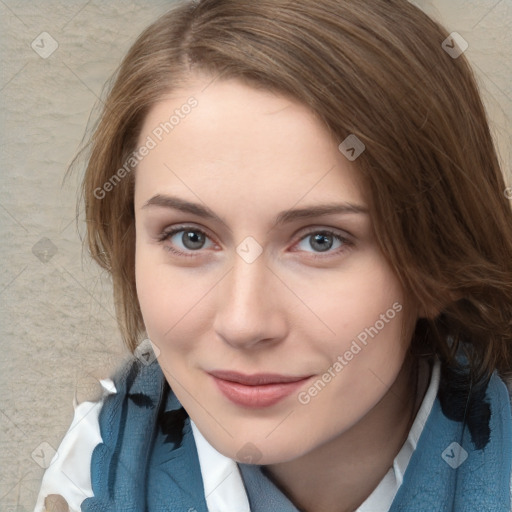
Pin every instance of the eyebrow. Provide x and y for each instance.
(281, 218)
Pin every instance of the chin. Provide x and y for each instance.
(255, 449)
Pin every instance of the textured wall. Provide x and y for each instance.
(56, 316)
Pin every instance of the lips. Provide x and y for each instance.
(258, 390)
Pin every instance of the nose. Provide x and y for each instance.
(251, 306)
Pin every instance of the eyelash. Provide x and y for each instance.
(167, 234)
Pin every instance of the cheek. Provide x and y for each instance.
(361, 368)
(156, 303)
(172, 301)
(371, 328)
(367, 299)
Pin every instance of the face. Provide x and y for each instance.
(279, 323)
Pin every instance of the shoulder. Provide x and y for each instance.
(68, 475)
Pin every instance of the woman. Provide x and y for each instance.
(312, 229)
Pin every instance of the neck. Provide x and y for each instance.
(342, 473)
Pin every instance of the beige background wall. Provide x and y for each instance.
(57, 323)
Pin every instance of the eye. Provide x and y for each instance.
(322, 241)
(191, 238)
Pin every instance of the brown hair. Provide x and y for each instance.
(375, 69)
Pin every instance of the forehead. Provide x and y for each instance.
(244, 143)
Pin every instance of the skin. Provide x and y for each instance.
(247, 155)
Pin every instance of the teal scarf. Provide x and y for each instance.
(148, 459)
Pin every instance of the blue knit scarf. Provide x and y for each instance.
(148, 460)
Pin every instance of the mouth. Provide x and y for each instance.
(258, 390)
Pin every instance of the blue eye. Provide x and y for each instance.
(323, 241)
(193, 241)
